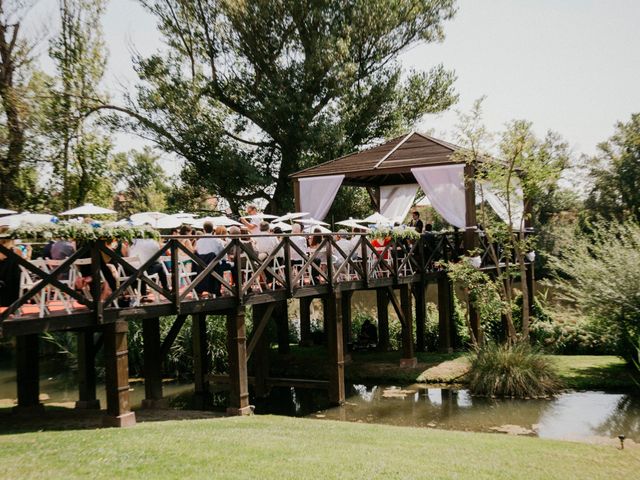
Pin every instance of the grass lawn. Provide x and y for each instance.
(278, 447)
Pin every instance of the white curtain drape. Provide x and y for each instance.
(444, 185)
(317, 194)
(498, 202)
(396, 200)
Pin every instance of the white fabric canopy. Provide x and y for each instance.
(498, 202)
(317, 194)
(396, 200)
(444, 185)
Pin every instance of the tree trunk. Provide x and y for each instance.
(282, 200)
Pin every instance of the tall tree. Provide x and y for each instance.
(141, 181)
(80, 149)
(520, 169)
(15, 57)
(615, 172)
(251, 91)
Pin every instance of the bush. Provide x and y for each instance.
(599, 274)
(512, 371)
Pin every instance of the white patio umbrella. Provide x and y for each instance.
(311, 221)
(175, 220)
(26, 218)
(4, 211)
(351, 223)
(261, 216)
(88, 209)
(285, 227)
(150, 218)
(291, 216)
(221, 220)
(378, 219)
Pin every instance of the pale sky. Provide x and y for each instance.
(572, 66)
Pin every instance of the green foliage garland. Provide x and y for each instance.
(396, 233)
(81, 232)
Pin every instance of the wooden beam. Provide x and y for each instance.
(236, 347)
(202, 396)
(396, 306)
(152, 364)
(333, 325)
(260, 342)
(346, 320)
(382, 302)
(419, 294)
(408, 355)
(28, 374)
(445, 314)
(282, 326)
(171, 336)
(116, 359)
(87, 348)
(374, 194)
(261, 318)
(296, 194)
(305, 321)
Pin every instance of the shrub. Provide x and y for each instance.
(599, 274)
(512, 371)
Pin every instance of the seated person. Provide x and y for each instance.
(144, 249)
(368, 334)
(264, 243)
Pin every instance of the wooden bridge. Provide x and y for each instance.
(223, 284)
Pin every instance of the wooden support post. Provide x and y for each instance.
(152, 364)
(474, 321)
(324, 319)
(346, 320)
(531, 286)
(305, 322)
(382, 300)
(421, 314)
(281, 314)
(445, 314)
(333, 322)
(260, 356)
(408, 355)
(296, 194)
(87, 371)
(202, 396)
(116, 359)
(28, 374)
(237, 348)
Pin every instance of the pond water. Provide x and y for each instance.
(581, 416)
(569, 416)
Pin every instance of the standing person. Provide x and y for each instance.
(208, 248)
(416, 222)
(251, 221)
(9, 275)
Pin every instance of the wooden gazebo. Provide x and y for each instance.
(390, 164)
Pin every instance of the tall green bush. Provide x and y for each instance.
(599, 274)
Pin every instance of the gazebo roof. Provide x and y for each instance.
(386, 164)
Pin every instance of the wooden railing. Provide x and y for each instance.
(97, 285)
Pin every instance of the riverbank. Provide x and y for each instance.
(578, 372)
(279, 447)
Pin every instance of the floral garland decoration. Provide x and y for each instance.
(396, 233)
(81, 232)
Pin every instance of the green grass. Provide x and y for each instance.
(595, 372)
(276, 447)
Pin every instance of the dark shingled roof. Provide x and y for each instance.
(386, 164)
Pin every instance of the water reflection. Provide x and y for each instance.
(576, 415)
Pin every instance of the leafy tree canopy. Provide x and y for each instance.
(615, 194)
(251, 91)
